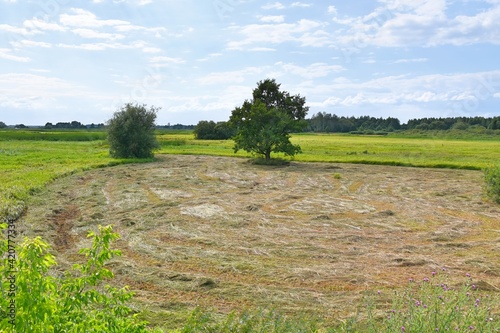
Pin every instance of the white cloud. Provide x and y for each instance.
(332, 10)
(230, 77)
(446, 88)
(92, 34)
(97, 46)
(151, 49)
(18, 31)
(301, 4)
(273, 19)
(20, 89)
(162, 61)
(7, 54)
(405, 61)
(85, 19)
(275, 5)
(312, 71)
(303, 31)
(403, 23)
(29, 43)
(37, 24)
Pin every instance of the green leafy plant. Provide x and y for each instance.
(37, 299)
(492, 179)
(131, 132)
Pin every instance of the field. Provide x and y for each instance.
(224, 234)
(386, 150)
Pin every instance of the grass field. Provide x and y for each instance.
(227, 235)
(29, 159)
(385, 150)
(26, 166)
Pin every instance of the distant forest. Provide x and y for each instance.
(322, 122)
(328, 123)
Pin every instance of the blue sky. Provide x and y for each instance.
(65, 60)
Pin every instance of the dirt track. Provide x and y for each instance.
(223, 233)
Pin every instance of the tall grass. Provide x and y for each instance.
(492, 182)
(429, 305)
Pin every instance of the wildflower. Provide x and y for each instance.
(426, 279)
(467, 274)
(433, 273)
(403, 329)
(378, 292)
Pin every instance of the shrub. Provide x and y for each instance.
(35, 299)
(209, 130)
(492, 179)
(131, 132)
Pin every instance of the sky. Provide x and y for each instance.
(66, 60)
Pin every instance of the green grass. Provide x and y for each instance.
(29, 160)
(27, 166)
(340, 148)
(52, 135)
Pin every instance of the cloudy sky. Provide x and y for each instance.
(65, 60)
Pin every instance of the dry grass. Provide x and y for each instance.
(225, 234)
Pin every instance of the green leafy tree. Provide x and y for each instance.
(131, 132)
(263, 124)
(2, 124)
(209, 130)
(35, 299)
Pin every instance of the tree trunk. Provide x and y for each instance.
(268, 154)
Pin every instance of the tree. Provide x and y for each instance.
(2, 124)
(209, 130)
(131, 132)
(263, 124)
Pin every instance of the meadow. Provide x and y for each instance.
(311, 240)
(30, 160)
(366, 149)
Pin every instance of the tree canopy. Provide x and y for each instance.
(131, 132)
(263, 124)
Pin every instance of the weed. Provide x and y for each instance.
(492, 180)
(432, 305)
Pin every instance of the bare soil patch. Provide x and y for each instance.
(226, 234)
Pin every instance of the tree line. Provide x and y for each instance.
(323, 122)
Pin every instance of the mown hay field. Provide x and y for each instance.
(226, 235)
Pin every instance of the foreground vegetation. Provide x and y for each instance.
(27, 166)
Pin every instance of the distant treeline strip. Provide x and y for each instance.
(328, 123)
